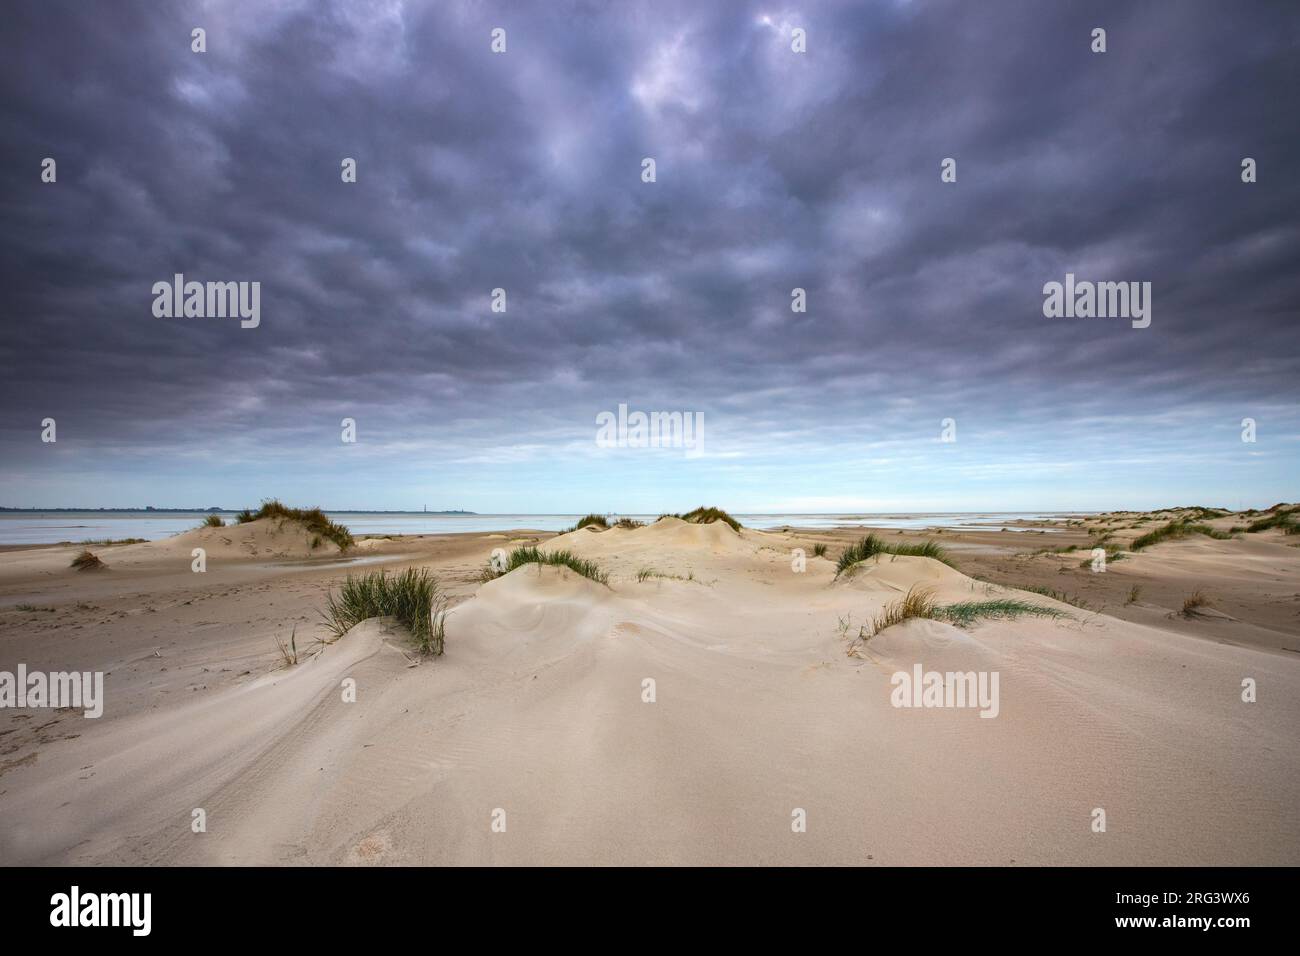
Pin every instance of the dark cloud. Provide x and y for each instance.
(522, 171)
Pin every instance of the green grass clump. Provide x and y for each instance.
(873, 544)
(594, 521)
(313, 519)
(411, 596)
(106, 542)
(819, 550)
(1175, 530)
(1059, 596)
(629, 523)
(1282, 520)
(646, 574)
(966, 613)
(86, 561)
(706, 516)
(530, 554)
(919, 603)
(213, 521)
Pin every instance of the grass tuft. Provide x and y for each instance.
(646, 574)
(411, 596)
(86, 561)
(591, 521)
(873, 544)
(919, 602)
(1197, 600)
(966, 613)
(213, 521)
(530, 554)
(707, 516)
(1061, 596)
(1175, 530)
(819, 550)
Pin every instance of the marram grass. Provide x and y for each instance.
(873, 544)
(411, 596)
(530, 554)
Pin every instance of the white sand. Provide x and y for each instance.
(537, 710)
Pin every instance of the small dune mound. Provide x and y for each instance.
(937, 645)
(901, 572)
(666, 533)
(260, 538)
(542, 584)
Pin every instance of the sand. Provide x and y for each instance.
(767, 701)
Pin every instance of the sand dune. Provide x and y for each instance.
(538, 709)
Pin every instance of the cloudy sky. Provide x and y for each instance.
(522, 170)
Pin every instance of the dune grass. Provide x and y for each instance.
(213, 521)
(1061, 596)
(1282, 520)
(919, 603)
(966, 613)
(87, 561)
(873, 544)
(1175, 530)
(591, 521)
(1194, 603)
(313, 519)
(819, 550)
(411, 596)
(530, 554)
(647, 574)
(707, 516)
(108, 542)
(628, 523)
(289, 651)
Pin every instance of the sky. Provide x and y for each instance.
(774, 170)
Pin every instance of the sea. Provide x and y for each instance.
(53, 527)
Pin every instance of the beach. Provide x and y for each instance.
(724, 698)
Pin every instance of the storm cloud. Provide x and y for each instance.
(775, 170)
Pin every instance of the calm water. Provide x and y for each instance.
(49, 528)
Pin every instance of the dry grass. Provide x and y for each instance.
(1195, 602)
(918, 602)
(87, 561)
